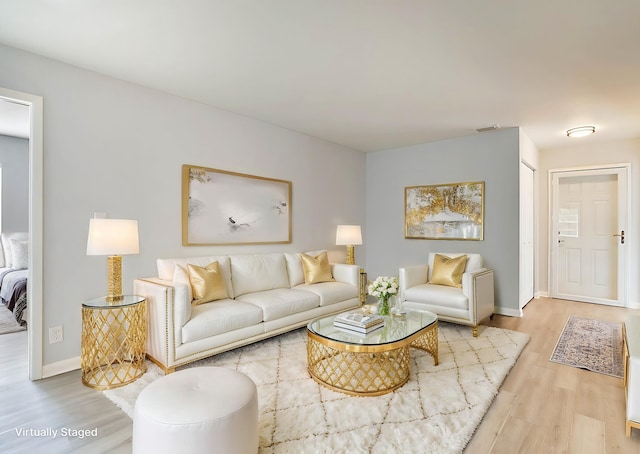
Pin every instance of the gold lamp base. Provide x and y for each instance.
(351, 257)
(114, 278)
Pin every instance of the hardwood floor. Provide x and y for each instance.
(56, 403)
(545, 407)
(542, 407)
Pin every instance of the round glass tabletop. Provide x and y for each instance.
(104, 303)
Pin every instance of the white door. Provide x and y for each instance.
(526, 234)
(589, 216)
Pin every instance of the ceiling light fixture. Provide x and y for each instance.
(581, 131)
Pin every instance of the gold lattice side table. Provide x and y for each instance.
(113, 341)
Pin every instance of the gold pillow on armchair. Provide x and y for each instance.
(448, 271)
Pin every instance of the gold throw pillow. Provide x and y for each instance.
(207, 283)
(316, 269)
(448, 271)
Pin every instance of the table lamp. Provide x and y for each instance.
(114, 238)
(349, 235)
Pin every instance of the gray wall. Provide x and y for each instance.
(490, 157)
(115, 147)
(14, 160)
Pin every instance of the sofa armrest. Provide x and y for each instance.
(348, 274)
(477, 285)
(167, 312)
(410, 276)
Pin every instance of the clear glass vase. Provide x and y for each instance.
(383, 306)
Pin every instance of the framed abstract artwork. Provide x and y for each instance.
(444, 212)
(221, 207)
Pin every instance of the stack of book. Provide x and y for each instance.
(358, 322)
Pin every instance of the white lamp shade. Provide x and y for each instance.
(112, 237)
(349, 235)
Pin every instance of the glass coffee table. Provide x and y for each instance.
(369, 364)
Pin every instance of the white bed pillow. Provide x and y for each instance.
(19, 254)
(6, 245)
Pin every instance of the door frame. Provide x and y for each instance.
(36, 191)
(624, 208)
(522, 303)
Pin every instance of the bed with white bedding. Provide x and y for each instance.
(14, 257)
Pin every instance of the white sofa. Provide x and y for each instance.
(468, 305)
(267, 296)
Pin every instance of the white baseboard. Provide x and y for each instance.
(49, 370)
(633, 304)
(541, 294)
(508, 311)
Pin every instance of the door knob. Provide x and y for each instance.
(621, 235)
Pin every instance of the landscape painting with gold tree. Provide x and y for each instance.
(447, 211)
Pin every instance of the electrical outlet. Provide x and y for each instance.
(55, 334)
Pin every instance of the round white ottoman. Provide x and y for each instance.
(200, 410)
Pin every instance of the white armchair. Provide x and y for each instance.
(468, 305)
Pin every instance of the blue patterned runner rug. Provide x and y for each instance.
(591, 344)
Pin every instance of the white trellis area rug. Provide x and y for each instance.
(437, 410)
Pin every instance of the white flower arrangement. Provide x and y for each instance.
(384, 287)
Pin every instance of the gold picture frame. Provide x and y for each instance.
(453, 211)
(221, 207)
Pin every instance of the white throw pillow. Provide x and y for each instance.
(181, 276)
(19, 254)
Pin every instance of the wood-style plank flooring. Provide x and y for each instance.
(542, 407)
(55, 403)
(545, 407)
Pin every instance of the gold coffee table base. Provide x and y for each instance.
(366, 370)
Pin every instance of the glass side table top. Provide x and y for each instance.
(396, 328)
(126, 300)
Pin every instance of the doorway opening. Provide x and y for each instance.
(35, 275)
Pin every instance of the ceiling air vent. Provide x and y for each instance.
(488, 128)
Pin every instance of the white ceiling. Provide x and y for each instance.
(368, 74)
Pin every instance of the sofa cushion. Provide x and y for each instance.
(207, 283)
(256, 273)
(330, 292)
(438, 295)
(316, 268)
(279, 303)
(445, 313)
(448, 271)
(219, 317)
